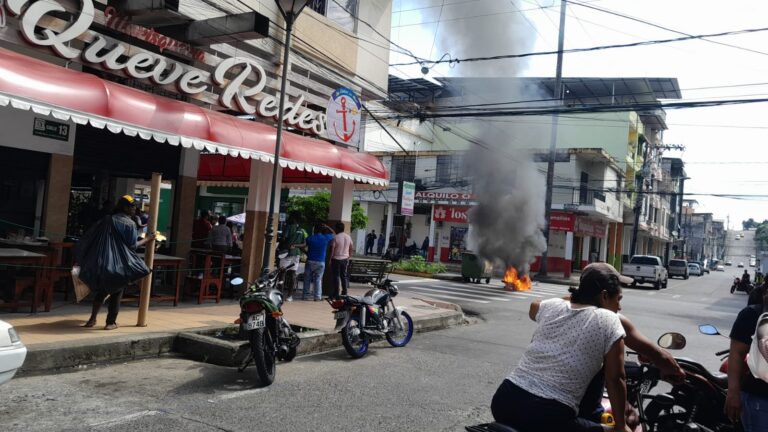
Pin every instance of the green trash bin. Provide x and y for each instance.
(474, 268)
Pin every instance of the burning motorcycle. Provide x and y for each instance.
(361, 319)
(262, 322)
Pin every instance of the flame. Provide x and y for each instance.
(515, 283)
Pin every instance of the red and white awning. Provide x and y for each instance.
(47, 89)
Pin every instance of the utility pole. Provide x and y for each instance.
(553, 139)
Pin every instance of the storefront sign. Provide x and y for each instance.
(562, 221)
(455, 196)
(405, 198)
(343, 117)
(51, 129)
(229, 75)
(590, 227)
(442, 213)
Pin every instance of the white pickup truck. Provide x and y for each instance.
(646, 269)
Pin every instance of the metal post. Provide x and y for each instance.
(269, 235)
(149, 255)
(553, 140)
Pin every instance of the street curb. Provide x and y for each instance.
(71, 356)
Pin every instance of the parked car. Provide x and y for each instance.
(12, 352)
(679, 268)
(694, 269)
(704, 269)
(646, 269)
(720, 268)
(741, 265)
(728, 263)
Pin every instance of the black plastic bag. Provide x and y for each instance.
(107, 264)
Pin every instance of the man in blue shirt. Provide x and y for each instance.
(317, 245)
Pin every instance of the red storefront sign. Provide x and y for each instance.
(442, 213)
(562, 221)
(590, 227)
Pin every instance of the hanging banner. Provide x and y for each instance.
(586, 227)
(342, 122)
(443, 213)
(406, 194)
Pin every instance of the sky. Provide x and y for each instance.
(726, 147)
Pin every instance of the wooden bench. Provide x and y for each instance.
(367, 269)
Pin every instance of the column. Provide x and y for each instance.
(604, 245)
(360, 234)
(568, 255)
(256, 210)
(432, 240)
(341, 202)
(57, 197)
(184, 197)
(390, 223)
(585, 250)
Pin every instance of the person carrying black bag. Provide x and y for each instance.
(107, 256)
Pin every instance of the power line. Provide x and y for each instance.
(589, 49)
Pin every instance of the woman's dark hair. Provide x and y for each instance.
(592, 286)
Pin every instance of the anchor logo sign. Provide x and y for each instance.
(344, 136)
(343, 121)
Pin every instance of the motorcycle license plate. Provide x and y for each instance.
(341, 315)
(255, 322)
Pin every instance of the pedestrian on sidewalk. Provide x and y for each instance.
(122, 220)
(425, 247)
(317, 245)
(380, 244)
(370, 239)
(341, 251)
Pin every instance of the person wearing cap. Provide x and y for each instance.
(747, 399)
(573, 341)
(122, 219)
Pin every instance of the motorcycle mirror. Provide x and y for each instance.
(236, 281)
(673, 341)
(708, 329)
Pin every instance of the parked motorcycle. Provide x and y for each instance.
(262, 322)
(361, 319)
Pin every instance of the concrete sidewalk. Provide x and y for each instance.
(56, 340)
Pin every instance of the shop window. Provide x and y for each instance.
(448, 168)
(403, 169)
(342, 12)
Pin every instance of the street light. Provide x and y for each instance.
(290, 9)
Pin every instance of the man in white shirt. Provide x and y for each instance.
(341, 251)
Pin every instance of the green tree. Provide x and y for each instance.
(749, 223)
(761, 235)
(314, 208)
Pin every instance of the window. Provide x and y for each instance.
(584, 188)
(448, 168)
(342, 12)
(403, 168)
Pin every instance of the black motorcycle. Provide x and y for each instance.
(362, 319)
(262, 323)
(738, 285)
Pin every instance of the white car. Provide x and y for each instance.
(12, 352)
(694, 269)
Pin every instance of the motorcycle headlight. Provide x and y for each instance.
(393, 291)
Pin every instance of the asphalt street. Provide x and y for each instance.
(440, 382)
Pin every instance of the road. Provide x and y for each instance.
(738, 251)
(439, 382)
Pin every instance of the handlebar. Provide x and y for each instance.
(723, 352)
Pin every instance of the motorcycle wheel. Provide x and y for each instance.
(355, 342)
(263, 355)
(403, 337)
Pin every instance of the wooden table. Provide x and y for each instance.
(167, 262)
(205, 271)
(12, 259)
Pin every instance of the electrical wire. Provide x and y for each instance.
(588, 49)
